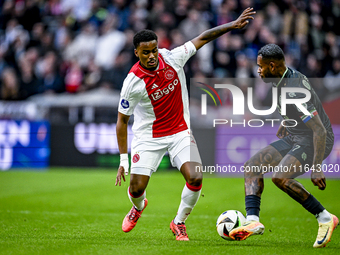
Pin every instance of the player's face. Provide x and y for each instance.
(147, 52)
(265, 69)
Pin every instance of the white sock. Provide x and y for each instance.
(189, 200)
(324, 217)
(138, 202)
(252, 217)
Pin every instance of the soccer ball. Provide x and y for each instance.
(227, 221)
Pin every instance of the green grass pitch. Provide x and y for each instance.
(76, 211)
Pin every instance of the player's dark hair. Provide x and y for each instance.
(270, 52)
(144, 36)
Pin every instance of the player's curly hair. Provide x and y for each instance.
(144, 36)
(271, 51)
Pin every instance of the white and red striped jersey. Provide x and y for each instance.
(158, 99)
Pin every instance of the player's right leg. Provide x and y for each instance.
(263, 161)
(188, 162)
(137, 196)
(146, 157)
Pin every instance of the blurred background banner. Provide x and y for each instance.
(24, 144)
(85, 145)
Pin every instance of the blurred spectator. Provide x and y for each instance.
(53, 7)
(9, 85)
(52, 82)
(30, 15)
(190, 28)
(37, 34)
(92, 78)
(79, 9)
(83, 47)
(295, 21)
(113, 78)
(121, 9)
(244, 68)
(274, 19)
(317, 35)
(332, 78)
(29, 83)
(110, 43)
(312, 67)
(98, 14)
(181, 9)
(73, 78)
(335, 17)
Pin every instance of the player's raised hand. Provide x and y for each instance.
(281, 132)
(244, 18)
(318, 178)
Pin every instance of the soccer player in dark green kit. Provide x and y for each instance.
(303, 145)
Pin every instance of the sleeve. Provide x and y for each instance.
(130, 95)
(309, 105)
(181, 54)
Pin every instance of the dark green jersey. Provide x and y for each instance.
(295, 79)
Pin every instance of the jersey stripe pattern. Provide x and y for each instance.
(158, 99)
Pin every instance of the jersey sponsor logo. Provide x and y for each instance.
(125, 103)
(135, 158)
(154, 86)
(158, 94)
(169, 74)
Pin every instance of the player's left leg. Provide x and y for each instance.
(288, 169)
(146, 157)
(137, 196)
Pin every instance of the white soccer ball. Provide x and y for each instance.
(227, 221)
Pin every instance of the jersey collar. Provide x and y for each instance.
(161, 66)
(284, 74)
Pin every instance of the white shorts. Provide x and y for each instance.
(146, 155)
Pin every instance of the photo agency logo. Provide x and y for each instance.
(286, 97)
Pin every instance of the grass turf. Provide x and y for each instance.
(70, 211)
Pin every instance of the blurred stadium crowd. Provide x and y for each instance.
(55, 46)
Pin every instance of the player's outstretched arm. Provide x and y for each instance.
(121, 129)
(216, 32)
(319, 141)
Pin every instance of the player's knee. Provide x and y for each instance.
(195, 181)
(136, 190)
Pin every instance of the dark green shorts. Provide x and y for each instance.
(301, 147)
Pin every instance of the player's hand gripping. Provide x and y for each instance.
(281, 132)
(243, 19)
(123, 168)
(318, 178)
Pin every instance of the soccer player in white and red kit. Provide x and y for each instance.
(155, 91)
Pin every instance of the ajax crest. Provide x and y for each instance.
(135, 158)
(169, 74)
